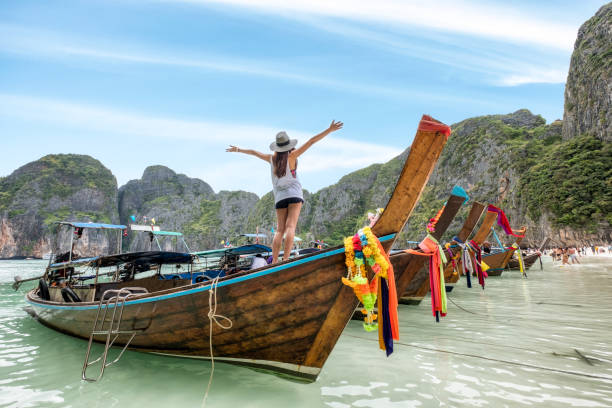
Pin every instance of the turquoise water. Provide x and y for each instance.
(513, 345)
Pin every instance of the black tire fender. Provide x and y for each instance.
(43, 290)
(69, 295)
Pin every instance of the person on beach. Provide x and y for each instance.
(565, 257)
(573, 255)
(286, 186)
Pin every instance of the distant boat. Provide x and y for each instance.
(529, 259)
(47, 256)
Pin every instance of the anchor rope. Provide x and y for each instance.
(212, 318)
(515, 363)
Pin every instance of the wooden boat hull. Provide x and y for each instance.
(419, 286)
(497, 262)
(528, 261)
(285, 318)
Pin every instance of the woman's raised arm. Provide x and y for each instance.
(262, 156)
(332, 128)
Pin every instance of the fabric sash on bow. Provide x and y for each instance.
(433, 249)
(388, 323)
(502, 221)
(466, 261)
(520, 259)
(478, 264)
(365, 249)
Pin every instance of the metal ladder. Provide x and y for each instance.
(116, 298)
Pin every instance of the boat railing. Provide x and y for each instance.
(116, 299)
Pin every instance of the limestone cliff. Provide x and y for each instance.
(56, 188)
(588, 91)
(188, 205)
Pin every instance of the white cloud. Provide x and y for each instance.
(25, 41)
(325, 162)
(497, 66)
(541, 76)
(466, 17)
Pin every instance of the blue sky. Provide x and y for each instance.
(135, 83)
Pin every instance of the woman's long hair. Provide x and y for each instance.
(280, 163)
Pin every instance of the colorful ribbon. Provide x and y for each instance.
(432, 248)
(517, 251)
(502, 221)
(479, 266)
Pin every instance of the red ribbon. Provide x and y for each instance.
(502, 220)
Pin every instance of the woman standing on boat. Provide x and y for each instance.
(286, 186)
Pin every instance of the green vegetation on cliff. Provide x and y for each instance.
(572, 180)
(58, 177)
(207, 219)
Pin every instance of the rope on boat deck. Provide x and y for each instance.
(212, 317)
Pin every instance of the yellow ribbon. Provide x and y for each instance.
(520, 258)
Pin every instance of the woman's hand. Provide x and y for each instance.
(335, 126)
(233, 149)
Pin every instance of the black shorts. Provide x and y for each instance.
(285, 203)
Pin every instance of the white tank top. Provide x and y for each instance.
(288, 186)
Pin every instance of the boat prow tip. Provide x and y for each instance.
(428, 123)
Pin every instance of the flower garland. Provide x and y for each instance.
(361, 249)
(431, 226)
(364, 249)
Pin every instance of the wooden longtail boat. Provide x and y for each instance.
(450, 274)
(479, 237)
(528, 260)
(416, 291)
(285, 317)
(497, 261)
(410, 270)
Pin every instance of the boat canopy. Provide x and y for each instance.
(146, 257)
(168, 233)
(76, 262)
(253, 235)
(241, 250)
(92, 225)
(148, 228)
(137, 258)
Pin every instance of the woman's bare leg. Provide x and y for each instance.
(281, 219)
(292, 219)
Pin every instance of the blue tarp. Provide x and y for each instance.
(76, 262)
(241, 250)
(169, 233)
(93, 225)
